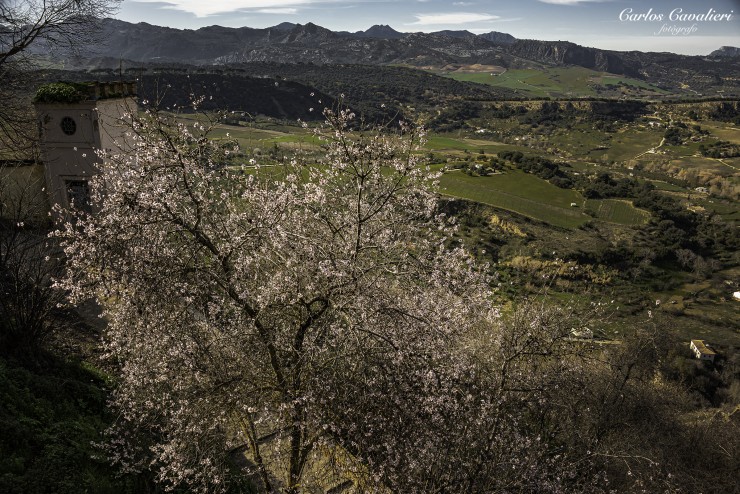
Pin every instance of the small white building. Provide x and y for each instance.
(71, 134)
(702, 351)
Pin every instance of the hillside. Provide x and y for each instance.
(290, 91)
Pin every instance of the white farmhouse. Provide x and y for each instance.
(702, 351)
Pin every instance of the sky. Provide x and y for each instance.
(645, 25)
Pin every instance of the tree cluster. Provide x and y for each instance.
(539, 166)
(726, 112)
(604, 186)
(720, 149)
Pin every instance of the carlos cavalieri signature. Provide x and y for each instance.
(675, 15)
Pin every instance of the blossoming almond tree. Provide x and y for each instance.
(237, 298)
(309, 325)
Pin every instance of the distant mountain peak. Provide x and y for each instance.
(290, 43)
(284, 26)
(456, 34)
(310, 27)
(726, 51)
(498, 38)
(382, 31)
(309, 32)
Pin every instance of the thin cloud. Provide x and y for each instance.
(451, 18)
(572, 2)
(200, 8)
(278, 11)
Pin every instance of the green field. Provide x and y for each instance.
(590, 144)
(719, 168)
(455, 144)
(251, 137)
(729, 210)
(669, 187)
(518, 192)
(723, 131)
(438, 143)
(309, 139)
(532, 82)
(631, 143)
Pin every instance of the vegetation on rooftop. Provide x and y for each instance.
(61, 92)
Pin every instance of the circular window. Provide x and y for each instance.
(69, 126)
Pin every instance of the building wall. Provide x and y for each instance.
(71, 157)
(114, 122)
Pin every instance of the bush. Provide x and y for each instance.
(28, 305)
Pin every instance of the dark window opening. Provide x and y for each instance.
(78, 195)
(69, 126)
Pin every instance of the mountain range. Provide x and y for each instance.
(290, 43)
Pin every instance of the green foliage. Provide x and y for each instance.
(672, 136)
(700, 377)
(506, 111)
(720, 149)
(604, 186)
(626, 110)
(549, 114)
(49, 418)
(61, 92)
(726, 112)
(243, 95)
(29, 303)
(542, 167)
(378, 93)
(454, 117)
